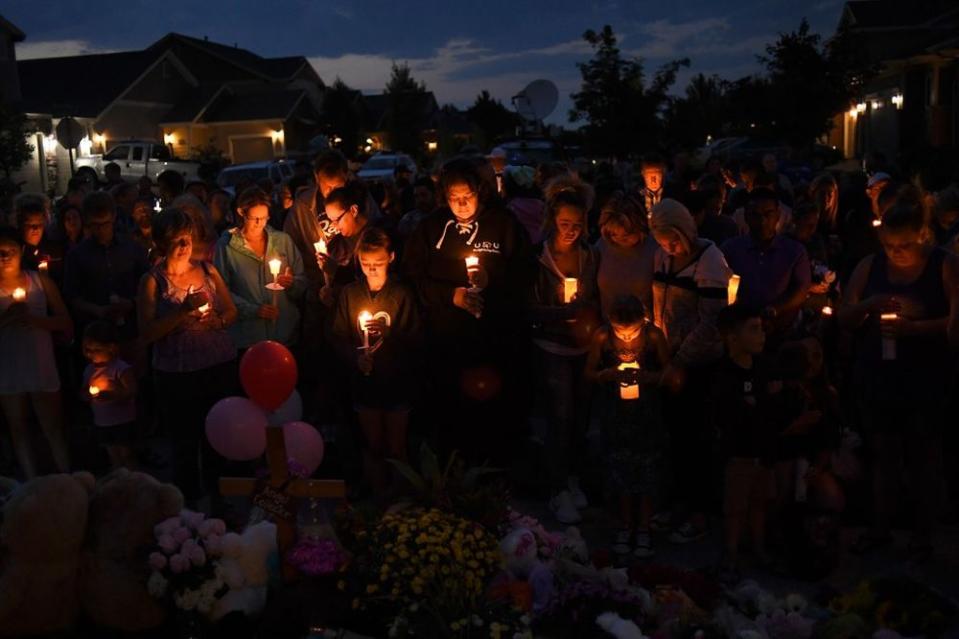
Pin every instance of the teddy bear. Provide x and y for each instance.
(124, 508)
(521, 559)
(244, 567)
(43, 527)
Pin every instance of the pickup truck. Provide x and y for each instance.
(137, 158)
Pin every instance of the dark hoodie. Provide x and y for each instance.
(435, 264)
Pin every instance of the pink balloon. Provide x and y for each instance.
(304, 445)
(236, 428)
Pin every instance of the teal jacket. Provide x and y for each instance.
(247, 275)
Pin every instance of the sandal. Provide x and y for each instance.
(621, 542)
(868, 542)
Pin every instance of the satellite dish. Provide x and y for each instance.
(537, 100)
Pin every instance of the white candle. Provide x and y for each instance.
(888, 343)
(43, 265)
(877, 223)
(93, 390)
(827, 310)
(472, 262)
(365, 316)
(570, 288)
(320, 247)
(19, 294)
(275, 267)
(628, 391)
(732, 289)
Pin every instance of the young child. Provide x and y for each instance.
(111, 386)
(627, 357)
(741, 406)
(377, 333)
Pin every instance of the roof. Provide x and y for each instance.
(281, 68)
(81, 85)
(193, 105)
(894, 14)
(377, 106)
(12, 30)
(264, 104)
(888, 30)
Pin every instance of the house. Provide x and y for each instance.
(418, 107)
(198, 96)
(9, 80)
(911, 104)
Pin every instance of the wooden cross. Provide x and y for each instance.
(281, 482)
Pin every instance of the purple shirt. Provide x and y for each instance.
(767, 274)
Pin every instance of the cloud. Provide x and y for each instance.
(57, 49)
(713, 36)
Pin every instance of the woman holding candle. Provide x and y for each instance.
(194, 356)
(30, 310)
(905, 296)
(242, 256)
(564, 311)
(347, 210)
(627, 357)
(377, 333)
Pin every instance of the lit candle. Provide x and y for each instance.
(732, 289)
(156, 207)
(570, 288)
(827, 310)
(888, 343)
(365, 316)
(19, 294)
(275, 267)
(43, 265)
(320, 246)
(472, 262)
(877, 223)
(93, 390)
(628, 391)
(204, 309)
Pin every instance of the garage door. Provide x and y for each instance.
(252, 149)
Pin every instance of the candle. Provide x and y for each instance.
(827, 310)
(570, 288)
(19, 294)
(365, 316)
(732, 289)
(43, 265)
(204, 309)
(877, 223)
(320, 246)
(888, 343)
(156, 207)
(472, 262)
(628, 391)
(93, 390)
(275, 267)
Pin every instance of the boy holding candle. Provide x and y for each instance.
(111, 387)
(742, 410)
(627, 356)
(377, 333)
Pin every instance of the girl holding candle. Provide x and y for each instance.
(625, 250)
(242, 257)
(111, 387)
(30, 310)
(564, 312)
(629, 351)
(194, 356)
(377, 333)
(901, 400)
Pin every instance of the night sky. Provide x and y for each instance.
(457, 48)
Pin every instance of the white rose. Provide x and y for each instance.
(156, 585)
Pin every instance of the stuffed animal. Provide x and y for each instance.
(124, 509)
(520, 557)
(44, 523)
(244, 567)
(618, 627)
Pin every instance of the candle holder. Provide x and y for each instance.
(472, 264)
(628, 391)
(275, 272)
(570, 289)
(888, 343)
(732, 289)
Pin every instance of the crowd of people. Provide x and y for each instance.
(685, 345)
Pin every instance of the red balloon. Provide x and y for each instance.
(268, 374)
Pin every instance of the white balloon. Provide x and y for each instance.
(290, 410)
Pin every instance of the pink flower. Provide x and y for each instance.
(157, 561)
(181, 534)
(191, 519)
(179, 563)
(214, 545)
(168, 544)
(166, 527)
(212, 527)
(188, 547)
(197, 556)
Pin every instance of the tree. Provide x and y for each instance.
(622, 114)
(405, 116)
(15, 151)
(341, 116)
(491, 118)
(701, 112)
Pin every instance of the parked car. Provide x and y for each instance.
(381, 166)
(532, 151)
(137, 158)
(231, 176)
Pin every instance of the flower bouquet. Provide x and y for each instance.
(898, 604)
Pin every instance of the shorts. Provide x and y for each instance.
(118, 435)
(748, 485)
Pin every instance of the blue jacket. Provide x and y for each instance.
(246, 275)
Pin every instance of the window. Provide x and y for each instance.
(118, 153)
(159, 152)
(137, 154)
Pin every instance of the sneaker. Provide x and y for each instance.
(563, 509)
(621, 545)
(661, 522)
(687, 533)
(576, 493)
(644, 545)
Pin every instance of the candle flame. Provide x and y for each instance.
(19, 294)
(889, 316)
(94, 390)
(827, 310)
(472, 261)
(275, 266)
